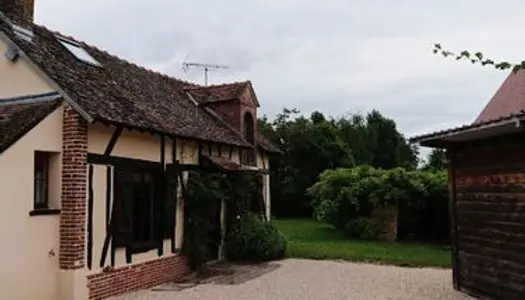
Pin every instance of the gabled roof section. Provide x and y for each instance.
(509, 99)
(119, 92)
(217, 93)
(19, 115)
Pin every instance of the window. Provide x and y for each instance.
(143, 208)
(144, 215)
(249, 135)
(79, 52)
(41, 180)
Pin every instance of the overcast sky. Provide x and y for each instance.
(336, 56)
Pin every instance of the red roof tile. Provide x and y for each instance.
(508, 100)
(215, 93)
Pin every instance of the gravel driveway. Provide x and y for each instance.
(308, 279)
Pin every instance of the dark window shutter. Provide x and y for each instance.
(169, 225)
(159, 206)
(123, 197)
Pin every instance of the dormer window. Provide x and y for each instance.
(79, 52)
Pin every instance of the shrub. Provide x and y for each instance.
(343, 195)
(252, 239)
(362, 228)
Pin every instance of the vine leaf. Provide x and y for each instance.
(478, 57)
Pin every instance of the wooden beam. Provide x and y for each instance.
(113, 141)
(100, 159)
(90, 218)
(451, 155)
(108, 195)
(175, 194)
(160, 248)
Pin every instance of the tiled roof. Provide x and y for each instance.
(17, 119)
(509, 99)
(216, 93)
(123, 93)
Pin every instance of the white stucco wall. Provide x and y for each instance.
(28, 269)
(18, 78)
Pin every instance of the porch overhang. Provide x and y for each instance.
(228, 165)
(473, 132)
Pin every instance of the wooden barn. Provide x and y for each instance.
(487, 195)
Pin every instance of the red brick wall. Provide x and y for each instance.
(229, 111)
(136, 277)
(73, 210)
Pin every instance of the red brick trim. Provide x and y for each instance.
(73, 210)
(136, 277)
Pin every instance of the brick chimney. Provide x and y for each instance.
(20, 12)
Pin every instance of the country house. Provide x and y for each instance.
(94, 151)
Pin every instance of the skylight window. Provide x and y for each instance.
(25, 34)
(79, 52)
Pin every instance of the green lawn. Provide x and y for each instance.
(315, 240)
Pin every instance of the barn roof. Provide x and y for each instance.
(503, 114)
(508, 99)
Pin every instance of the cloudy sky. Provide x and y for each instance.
(336, 56)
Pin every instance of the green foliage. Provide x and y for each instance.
(478, 57)
(343, 195)
(203, 192)
(312, 145)
(362, 228)
(436, 160)
(203, 196)
(253, 239)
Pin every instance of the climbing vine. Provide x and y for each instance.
(205, 190)
(479, 58)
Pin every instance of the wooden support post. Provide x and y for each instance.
(451, 156)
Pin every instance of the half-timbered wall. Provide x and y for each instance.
(130, 144)
(122, 273)
(488, 201)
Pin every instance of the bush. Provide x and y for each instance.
(252, 239)
(343, 195)
(362, 228)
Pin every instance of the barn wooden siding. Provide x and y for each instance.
(488, 209)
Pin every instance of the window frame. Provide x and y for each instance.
(41, 165)
(78, 51)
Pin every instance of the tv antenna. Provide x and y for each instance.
(206, 68)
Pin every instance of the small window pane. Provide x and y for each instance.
(79, 52)
(41, 179)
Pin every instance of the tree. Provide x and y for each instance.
(478, 57)
(315, 144)
(436, 160)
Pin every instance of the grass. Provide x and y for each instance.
(316, 240)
